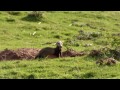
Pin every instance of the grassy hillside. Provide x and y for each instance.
(75, 28)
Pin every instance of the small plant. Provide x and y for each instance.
(34, 16)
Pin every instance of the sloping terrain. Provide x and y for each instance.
(89, 35)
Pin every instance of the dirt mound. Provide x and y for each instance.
(95, 53)
(116, 54)
(27, 53)
(30, 53)
(106, 61)
(19, 54)
(8, 55)
(72, 53)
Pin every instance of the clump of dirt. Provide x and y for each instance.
(30, 53)
(27, 53)
(106, 61)
(116, 54)
(19, 54)
(95, 53)
(8, 55)
(72, 53)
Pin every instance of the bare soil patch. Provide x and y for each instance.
(30, 53)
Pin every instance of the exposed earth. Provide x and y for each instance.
(30, 53)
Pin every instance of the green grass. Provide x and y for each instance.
(15, 32)
(64, 68)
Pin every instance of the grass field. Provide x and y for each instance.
(20, 31)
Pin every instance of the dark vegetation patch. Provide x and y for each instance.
(105, 53)
(14, 12)
(31, 76)
(88, 75)
(58, 36)
(10, 19)
(34, 16)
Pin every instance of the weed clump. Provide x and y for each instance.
(101, 53)
(105, 53)
(95, 53)
(34, 16)
(87, 35)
